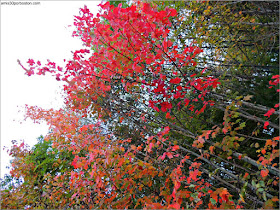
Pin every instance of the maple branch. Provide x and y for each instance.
(251, 137)
(259, 107)
(247, 159)
(220, 168)
(251, 105)
(251, 117)
(128, 40)
(179, 69)
(222, 159)
(105, 43)
(245, 114)
(226, 183)
(272, 170)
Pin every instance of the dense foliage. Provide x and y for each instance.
(169, 105)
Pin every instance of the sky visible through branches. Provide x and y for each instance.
(35, 31)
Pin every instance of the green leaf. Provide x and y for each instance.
(262, 183)
(260, 190)
(264, 196)
(242, 125)
(213, 201)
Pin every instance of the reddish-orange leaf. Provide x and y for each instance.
(175, 147)
(274, 199)
(245, 176)
(276, 138)
(211, 148)
(168, 115)
(174, 206)
(169, 155)
(264, 173)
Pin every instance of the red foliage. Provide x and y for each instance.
(129, 44)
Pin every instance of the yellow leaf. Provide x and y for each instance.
(247, 98)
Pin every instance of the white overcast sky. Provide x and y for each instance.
(40, 32)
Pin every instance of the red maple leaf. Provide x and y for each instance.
(177, 80)
(269, 113)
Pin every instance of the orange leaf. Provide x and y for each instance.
(269, 142)
(274, 199)
(211, 148)
(274, 164)
(276, 138)
(224, 195)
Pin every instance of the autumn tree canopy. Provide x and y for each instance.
(168, 105)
